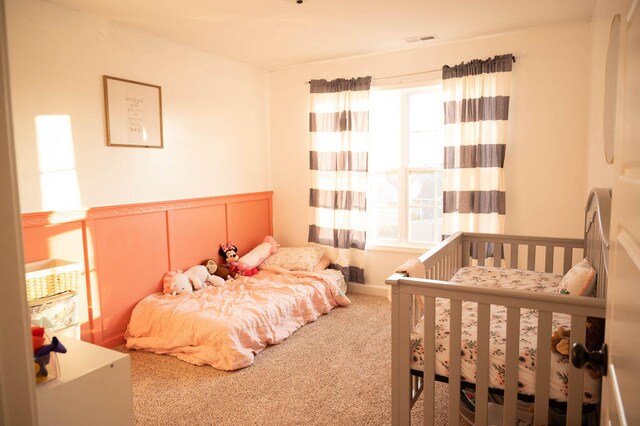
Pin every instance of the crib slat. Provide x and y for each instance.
(429, 360)
(400, 358)
(548, 259)
(455, 327)
(512, 365)
(576, 375)
(568, 259)
(466, 247)
(482, 375)
(482, 252)
(497, 254)
(531, 258)
(514, 255)
(543, 365)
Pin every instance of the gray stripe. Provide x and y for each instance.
(500, 63)
(343, 161)
(478, 202)
(476, 109)
(340, 85)
(339, 238)
(352, 121)
(351, 273)
(337, 200)
(472, 156)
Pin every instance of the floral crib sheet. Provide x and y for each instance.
(509, 279)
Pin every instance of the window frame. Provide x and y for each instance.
(404, 244)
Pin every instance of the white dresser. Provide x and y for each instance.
(94, 387)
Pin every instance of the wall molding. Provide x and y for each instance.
(54, 217)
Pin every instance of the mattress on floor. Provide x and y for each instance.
(509, 279)
(337, 276)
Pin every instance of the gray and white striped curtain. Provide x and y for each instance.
(476, 111)
(338, 160)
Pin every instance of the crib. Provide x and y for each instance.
(414, 300)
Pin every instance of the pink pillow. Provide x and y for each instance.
(258, 254)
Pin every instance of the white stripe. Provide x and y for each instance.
(476, 133)
(478, 179)
(345, 257)
(470, 222)
(477, 86)
(338, 219)
(339, 181)
(341, 101)
(339, 141)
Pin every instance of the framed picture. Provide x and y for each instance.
(133, 112)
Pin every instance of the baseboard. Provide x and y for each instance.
(372, 290)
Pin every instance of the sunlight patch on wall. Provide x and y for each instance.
(57, 164)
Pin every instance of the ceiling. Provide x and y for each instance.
(273, 34)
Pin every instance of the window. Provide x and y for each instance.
(404, 199)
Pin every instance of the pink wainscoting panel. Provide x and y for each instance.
(131, 257)
(195, 235)
(60, 241)
(248, 223)
(127, 249)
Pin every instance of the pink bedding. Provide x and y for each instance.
(226, 326)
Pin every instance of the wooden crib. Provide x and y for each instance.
(414, 298)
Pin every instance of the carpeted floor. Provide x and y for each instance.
(335, 371)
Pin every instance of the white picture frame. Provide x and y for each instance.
(133, 113)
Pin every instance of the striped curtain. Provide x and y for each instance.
(338, 160)
(476, 110)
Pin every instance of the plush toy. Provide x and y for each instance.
(214, 269)
(200, 277)
(247, 264)
(175, 283)
(560, 341)
(230, 253)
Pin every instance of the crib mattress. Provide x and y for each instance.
(510, 279)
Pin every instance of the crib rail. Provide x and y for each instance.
(405, 289)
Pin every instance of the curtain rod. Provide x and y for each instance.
(405, 75)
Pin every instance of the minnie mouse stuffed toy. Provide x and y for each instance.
(230, 253)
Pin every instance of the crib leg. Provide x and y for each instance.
(400, 358)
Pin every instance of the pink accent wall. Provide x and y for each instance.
(127, 249)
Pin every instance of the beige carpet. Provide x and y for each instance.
(335, 371)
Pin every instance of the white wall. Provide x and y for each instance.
(547, 148)
(214, 111)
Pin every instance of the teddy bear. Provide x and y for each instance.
(214, 269)
(175, 282)
(200, 277)
(230, 253)
(560, 341)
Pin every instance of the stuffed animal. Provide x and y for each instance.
(560, 341)
(230, 253)
(214, 269)
(200, 277)
(175, 283)
(248, 264)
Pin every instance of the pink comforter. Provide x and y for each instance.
(226, 326)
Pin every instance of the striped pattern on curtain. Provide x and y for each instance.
(338, 160)
(476, 110)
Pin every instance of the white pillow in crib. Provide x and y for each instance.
(579, 281)
(296, 258)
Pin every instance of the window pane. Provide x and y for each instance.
(424, 223)
(426, 149)
(426, 109)
(385, 130)
(382, 224)
(384, 188)
(422, 188)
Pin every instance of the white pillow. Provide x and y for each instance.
(259, 253)
(579, 280)
(296, 258)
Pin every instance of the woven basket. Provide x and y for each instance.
(52, 276)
